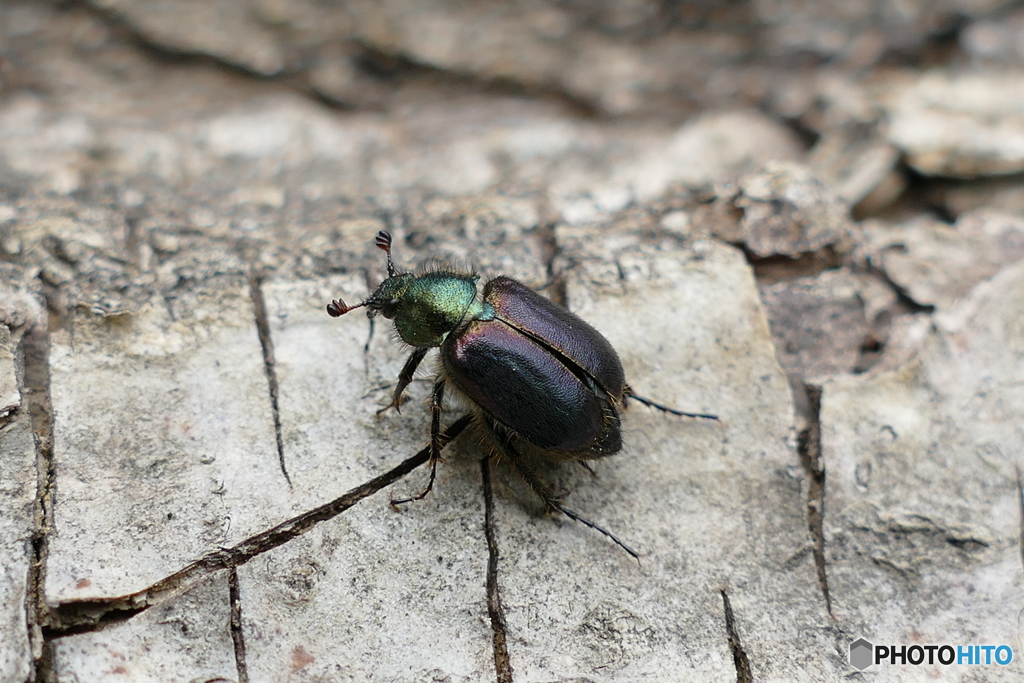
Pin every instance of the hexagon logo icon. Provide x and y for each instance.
(862, 654)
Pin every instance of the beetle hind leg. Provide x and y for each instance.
(628, 394)
(543, 490)
(436, 439)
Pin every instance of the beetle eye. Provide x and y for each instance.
(389, 308)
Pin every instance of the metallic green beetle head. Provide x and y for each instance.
(425, 307)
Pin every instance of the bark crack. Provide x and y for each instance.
(902, 295)
(93, 615)
(739, 657)
(136, 37)
(36, 351)
(1020, 502)
(237, 637)
(809, 445)
(556, 283)
(502, 663)
(372, 62)
(269, 366)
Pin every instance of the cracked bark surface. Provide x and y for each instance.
(17, 478)
(192, 474)
(924, 504)
(679, 318)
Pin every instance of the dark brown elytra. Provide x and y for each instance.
(543, 382)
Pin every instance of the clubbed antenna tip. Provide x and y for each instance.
(338, 308)
(383, 241)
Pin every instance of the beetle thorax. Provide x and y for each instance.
(432, 305)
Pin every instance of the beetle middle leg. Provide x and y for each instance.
(543, 490)
(404, 379)
(436, 439)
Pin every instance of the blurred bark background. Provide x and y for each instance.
(806, 217)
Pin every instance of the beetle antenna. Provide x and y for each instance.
(383, 241)
(338, 308)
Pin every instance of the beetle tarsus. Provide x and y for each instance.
(424, 492)
(615, 539)
(394, 404)
(671, 411)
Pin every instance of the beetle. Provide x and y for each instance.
(542, 381)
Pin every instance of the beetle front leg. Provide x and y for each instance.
(436, 442)
(404, 378)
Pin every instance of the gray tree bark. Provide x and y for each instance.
(194, 482)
